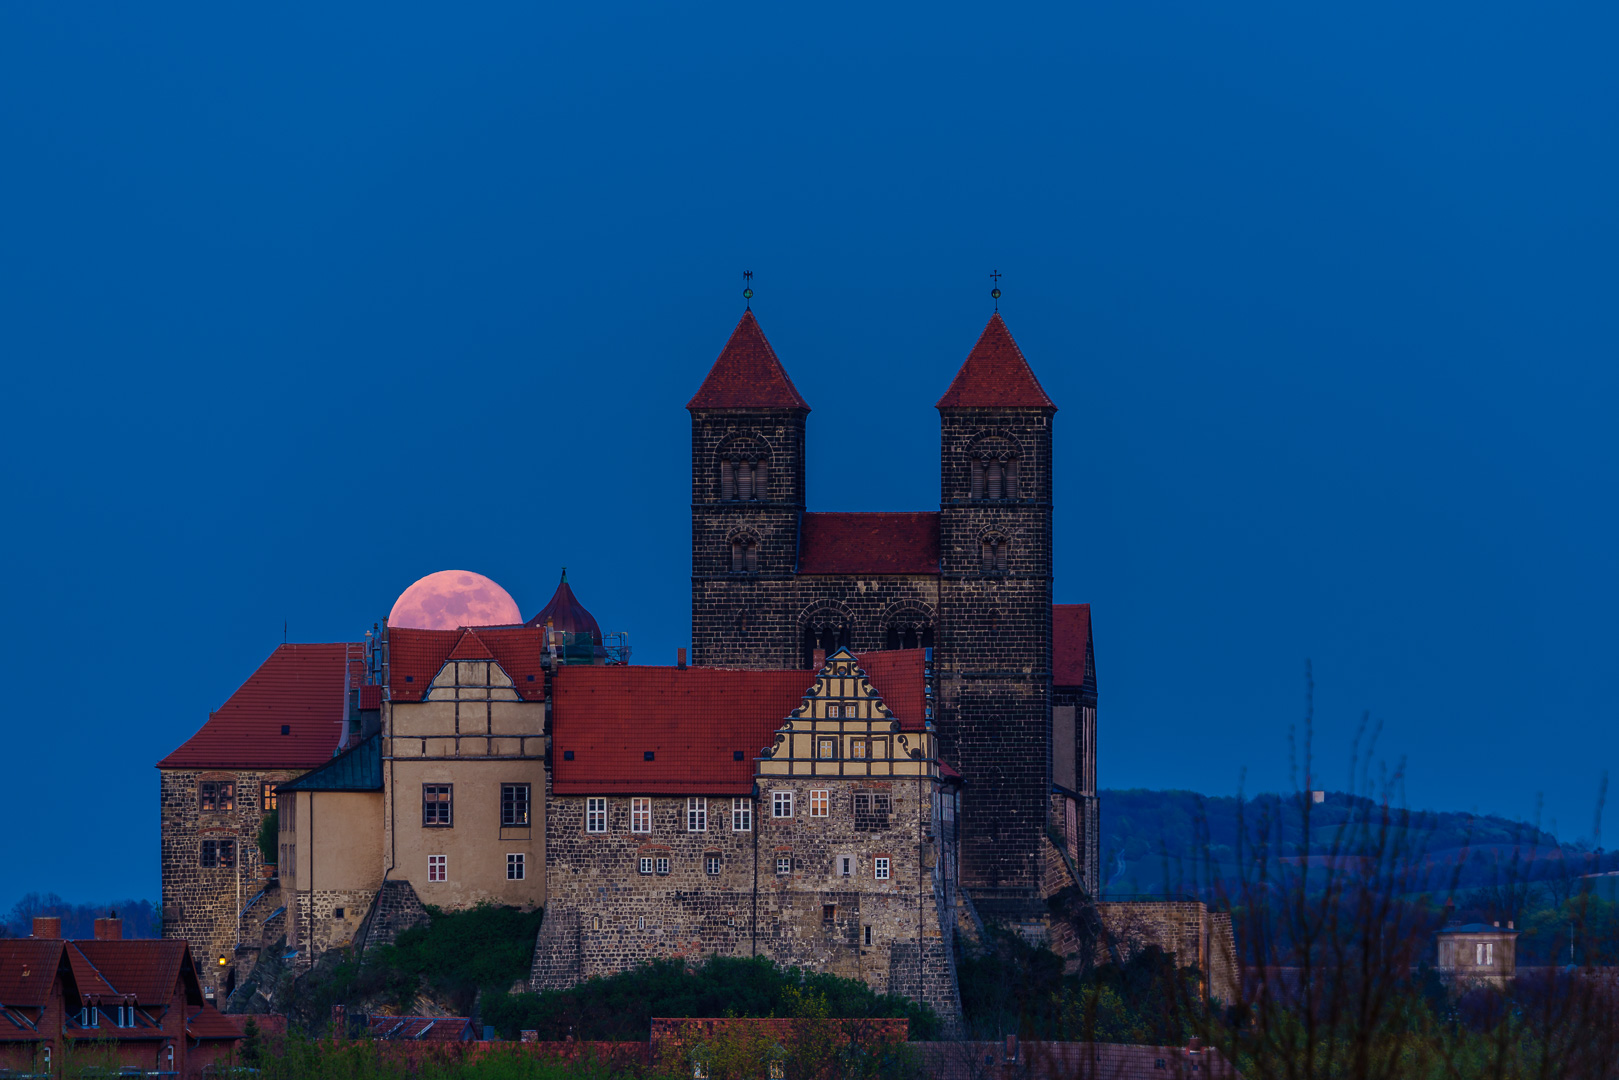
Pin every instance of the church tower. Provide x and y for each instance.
(747, 495)
(993, 658)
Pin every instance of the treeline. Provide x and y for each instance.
(140, 917)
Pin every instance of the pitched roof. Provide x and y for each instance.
(889, 543)
(301, 687)
(747, 375)
(207, 1022)
(28, 968)
(148, 968)
(91, 982)
(693, 721)
(358, 768)
(470, 647)
(566, 613)
(1070, 642)
(995, 376)
(415, 657)
(370, 697)
(422, 1028)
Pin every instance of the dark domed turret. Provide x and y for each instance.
(567, 614)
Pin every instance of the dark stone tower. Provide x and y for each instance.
(993, 657)
(747, 495)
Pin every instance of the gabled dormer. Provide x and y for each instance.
(843, 728)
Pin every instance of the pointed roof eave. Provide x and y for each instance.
(748, 375)
(995, 375)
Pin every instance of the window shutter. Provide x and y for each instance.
(995, 468)
(761, 481)
(727, 479)
(750, 553)
(978, 478)
(1011, 478)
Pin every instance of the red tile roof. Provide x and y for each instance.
(995, 376)
(91, 982)
(896, 543)
(415, 657)
(747, 375)
(207, 1022)
(1070, 638)
(370, 697)
(423, 1028)
(28, 969)
(148, 968)
(299, 686)
(470, 647)
(566, 613)
(693, 721)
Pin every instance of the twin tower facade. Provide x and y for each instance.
(774, 585)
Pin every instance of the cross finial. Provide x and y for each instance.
(995, 292)
(747, 289)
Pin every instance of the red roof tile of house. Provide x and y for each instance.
(470, 647)
(415, 657)
(887, 543)
(1053, 1060)
(747, 375)
(566, 613)
(300, 687)
(693, 721)
(995, 376)
(371, 697)
(148, 968)
(28, 969)
(91, 982)
(420, 1028)
(1070, 640)
(207, 1022)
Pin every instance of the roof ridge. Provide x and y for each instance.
(471, 653)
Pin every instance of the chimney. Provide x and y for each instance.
(680, 659)
(1498, 924)
(1510, 926)
(47, 926)
(820, 660)
(1194, 1045)
(1011, 1048)
(110, 928)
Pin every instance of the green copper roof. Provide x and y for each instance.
(356, 769)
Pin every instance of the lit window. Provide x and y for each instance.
(826, 748)
(213, 795)
(777, 1070)
(515, 867)
(596, 815)
(699, 1070)
(832, 711)
(663, 865)
(696, 815)
(781, 804)
(857, 749)
(436, 868)
(514, 804)
(711, 863)
(436, 805)
(818, 802)
(741, 815)
(784, 864)
(646, 866)
(266, 796)
(641, 815)
(217, 854)
(879, 868)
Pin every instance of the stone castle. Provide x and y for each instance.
(887, 731)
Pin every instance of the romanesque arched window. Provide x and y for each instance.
(993, 552)
(909, 625)
(744, 472)
(744, 555)
(994, 461)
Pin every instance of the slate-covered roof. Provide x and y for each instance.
(300, 687)
(747, 375)
(995, 376)
(28, 968)
(148, 968)
(883, 543)
(1070, 641)
(693, 721)
(566, 613)
(415, 657)
(358, 768)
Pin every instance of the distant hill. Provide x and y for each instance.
(1180, 842)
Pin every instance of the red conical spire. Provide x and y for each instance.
(565, 612)
(747, 375)
(995, 376)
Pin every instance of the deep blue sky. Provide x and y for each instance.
(297, 306)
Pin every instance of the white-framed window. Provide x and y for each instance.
(663, 864)
(437, 868)
(596, 815)
(516, 866)
(879, 867)
(1485, 954)
(832, 711)
(646, 865)
(640, 922)
(696, 815)
(784, 864)
(741, 815)
(845, 866)
(641, 815)
(711, 863)
(857, 749)
(781, 804)
(826, 747)
(819, 800)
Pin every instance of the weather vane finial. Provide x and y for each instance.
(995, 293)
(747, 289)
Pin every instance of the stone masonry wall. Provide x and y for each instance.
(1186, 929)
(200, 904)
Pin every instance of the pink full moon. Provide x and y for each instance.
(452, 598)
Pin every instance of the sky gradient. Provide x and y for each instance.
(300, 305)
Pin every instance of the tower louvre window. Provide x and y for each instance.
(994, 476)
(744, 555)
(744, 478)
(994, 555)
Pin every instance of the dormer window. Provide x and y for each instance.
(994, 476)
(744, 477)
